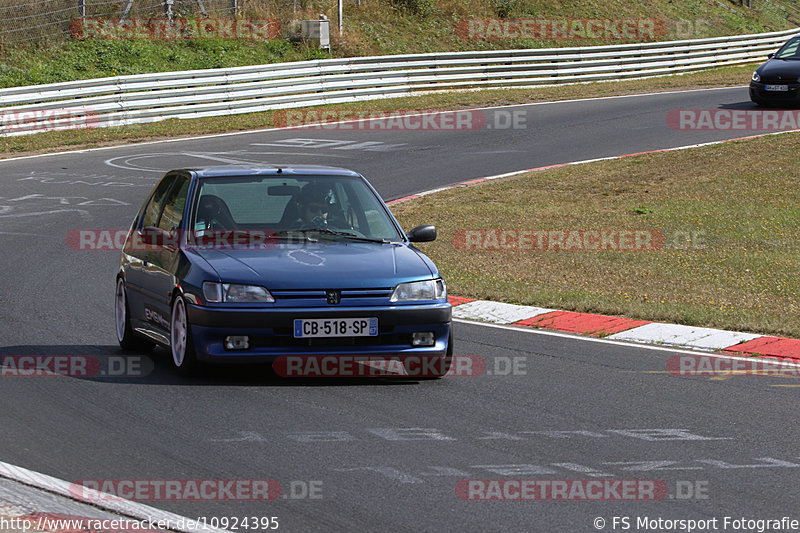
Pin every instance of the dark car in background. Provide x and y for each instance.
(250, 264)
(777, 82)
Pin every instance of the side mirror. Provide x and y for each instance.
(771, 55)
(424, 233)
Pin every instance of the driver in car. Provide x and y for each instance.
(313, 206)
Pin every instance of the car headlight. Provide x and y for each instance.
(432, 289)
(235, 293)
(756, 76)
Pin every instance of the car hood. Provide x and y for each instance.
(320, 265)
(788, 70)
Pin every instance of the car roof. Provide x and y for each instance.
(270, 170)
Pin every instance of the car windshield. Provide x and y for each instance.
(789, 50)
(330, 207)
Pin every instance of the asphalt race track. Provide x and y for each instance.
(379, 455)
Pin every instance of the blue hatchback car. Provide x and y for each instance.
(241, 264)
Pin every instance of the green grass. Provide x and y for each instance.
(377, 27)
(76, 60)
(729, 214)
(374, 29)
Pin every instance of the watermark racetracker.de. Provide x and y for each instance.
(415, 366)
(733, 119)
(580, 490)
(334, 119)
(176, 29)
(575, 239)
(608, 29)
(76, 366)
(508, 239)
(99, 240)
(33, 120)
(643, 29)
(208, 490)
(705, 366)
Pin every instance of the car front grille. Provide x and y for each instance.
(319, 297)
(778, 80)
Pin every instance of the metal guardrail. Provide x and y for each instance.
(123, 100)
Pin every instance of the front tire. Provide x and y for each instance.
(184, 358)
(125, 336)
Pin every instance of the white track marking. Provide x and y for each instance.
(497, 311)
(104, 501)
(675, 334)
(576, 337)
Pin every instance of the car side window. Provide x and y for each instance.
(172, 215)
(153, 210)
(789, 51)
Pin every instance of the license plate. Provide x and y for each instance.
(335, 327)
(777, 87)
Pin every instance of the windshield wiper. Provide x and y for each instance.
(347, 234)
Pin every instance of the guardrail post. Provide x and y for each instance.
(82, 9)
(341, 19)
(234, 7)
(168, 9)
(127, 10)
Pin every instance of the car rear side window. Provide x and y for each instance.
(172, 215)
(150, 217)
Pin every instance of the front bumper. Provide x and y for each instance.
(759, 94)
(270, 331)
